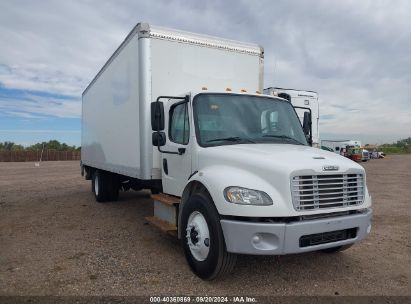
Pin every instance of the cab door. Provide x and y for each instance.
(176, 156)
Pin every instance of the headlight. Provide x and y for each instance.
(244, 196)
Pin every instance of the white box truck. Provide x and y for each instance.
(302, 101)
(230, 169)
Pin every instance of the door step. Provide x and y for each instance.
(165, 213)
(162, 225)
(166, 199)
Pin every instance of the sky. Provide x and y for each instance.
(355, 54)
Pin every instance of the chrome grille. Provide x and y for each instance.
(312, 192)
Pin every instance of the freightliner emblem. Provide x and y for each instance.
(330, 168)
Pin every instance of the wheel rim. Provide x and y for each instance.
(198, 236)
(96, 184)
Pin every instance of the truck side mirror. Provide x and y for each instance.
(159, 139)
(307, 125)
(157, 116)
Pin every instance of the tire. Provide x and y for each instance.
(212, 259)
(104, 186)
(336, 249)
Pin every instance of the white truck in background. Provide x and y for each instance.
(302, 101)
(338, 146)
(230, 169)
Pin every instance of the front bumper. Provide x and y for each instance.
(284, 238)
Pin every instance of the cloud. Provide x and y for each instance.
(19, 114)
(38, 77)
(38, 131)
(354, 53)
(27, 104)
(327, 116)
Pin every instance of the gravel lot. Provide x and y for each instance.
(56, 240)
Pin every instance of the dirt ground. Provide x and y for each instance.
(56, 240)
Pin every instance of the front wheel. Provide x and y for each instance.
(203, 239)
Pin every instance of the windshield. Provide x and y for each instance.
(224, 119)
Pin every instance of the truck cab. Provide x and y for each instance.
(250, 183)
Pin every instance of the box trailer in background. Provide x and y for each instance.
(229, 168)
(301, 99)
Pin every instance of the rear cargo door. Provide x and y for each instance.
(176, 168)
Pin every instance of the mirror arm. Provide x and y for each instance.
(181, 151)
(310, 125)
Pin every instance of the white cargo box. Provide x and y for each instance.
(154, 61)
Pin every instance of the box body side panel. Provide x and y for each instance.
(110, 116)
(178, 68)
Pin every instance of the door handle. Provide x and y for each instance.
(165, 166)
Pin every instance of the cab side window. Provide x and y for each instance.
(179, 128)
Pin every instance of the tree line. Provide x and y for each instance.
(49, 145)
(404, 142)
(401, 146)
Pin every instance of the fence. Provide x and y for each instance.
(48, 155)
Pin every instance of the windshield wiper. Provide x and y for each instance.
(284, 137)
(233, 139)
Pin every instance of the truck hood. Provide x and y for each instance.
(268, 168)
(286, 158)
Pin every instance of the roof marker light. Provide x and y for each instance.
(228, 89)
(204, 88)
(243, 90)
(257, 92)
